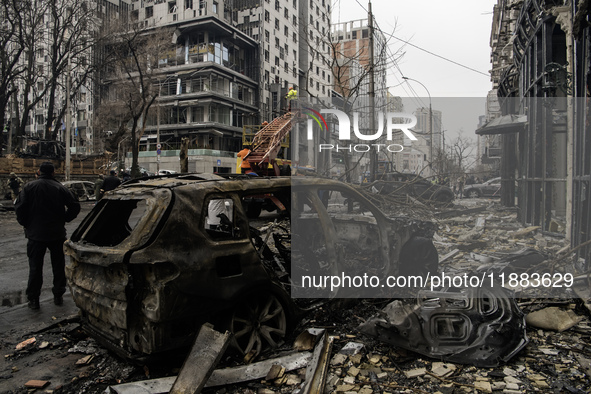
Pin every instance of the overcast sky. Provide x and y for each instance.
(455, 29)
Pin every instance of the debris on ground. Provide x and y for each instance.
(549, 353)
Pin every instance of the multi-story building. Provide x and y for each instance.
(59, 35)
(294, 53)
(233, 64)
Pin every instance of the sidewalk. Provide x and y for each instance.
(21, 318)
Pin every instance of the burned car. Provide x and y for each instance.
(82, 190)
(401, 184)
(157, 258)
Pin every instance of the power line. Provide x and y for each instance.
(424, 50)
(436, 55)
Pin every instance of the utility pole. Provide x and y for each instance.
(373, 156)
(68, 120)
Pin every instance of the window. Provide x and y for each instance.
(215, 7)
(149, 12)
(294, 20)
(267, 17)
(295, 38)
(364, 33)
(286, 31)
(277, 5)
(266, 56)
(354, 34)
(311, 21)
(220, 220)
(172, 7)
(188, 4)
(317, 70)
(276, 42)
(286, 13)
(267, 35)
(311, 82)
(276, 61)
(286, 67)
(276, 24)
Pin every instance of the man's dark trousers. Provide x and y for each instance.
(36, 253)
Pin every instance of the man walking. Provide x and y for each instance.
(14, 184)
(43, 207)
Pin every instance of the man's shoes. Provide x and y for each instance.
(58, 300)
(34, 303)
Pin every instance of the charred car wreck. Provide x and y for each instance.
(158, 257)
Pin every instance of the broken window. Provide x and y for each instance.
(120, 217)
(220, 219)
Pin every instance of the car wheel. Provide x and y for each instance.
(473, 193)
(258, 323)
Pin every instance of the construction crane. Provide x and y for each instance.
(267, 143)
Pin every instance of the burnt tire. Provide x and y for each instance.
(258, 323)
(418, 257)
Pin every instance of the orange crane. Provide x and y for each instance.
(267, 143)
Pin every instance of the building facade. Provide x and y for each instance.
(541, 67)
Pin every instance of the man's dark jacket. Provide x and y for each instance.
(43, 207)
(111, 183)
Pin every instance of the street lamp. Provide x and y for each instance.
(430, 123)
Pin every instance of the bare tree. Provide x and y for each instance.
(350, 68)
(39, 39)
(133, 82)
(73, 32)
(11, 50)
(462, 153)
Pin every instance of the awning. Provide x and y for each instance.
(503, 125)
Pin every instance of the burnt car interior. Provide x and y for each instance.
(120, 217)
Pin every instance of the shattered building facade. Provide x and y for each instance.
(542, 70)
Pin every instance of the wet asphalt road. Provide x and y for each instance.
(14, 268)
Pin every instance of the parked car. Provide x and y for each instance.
(156, 258)
(490, 188)
(83, 190)
(414, 185)
(166, 172)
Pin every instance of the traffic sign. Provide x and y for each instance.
(159, 146)
(158, 151)
(219, 162)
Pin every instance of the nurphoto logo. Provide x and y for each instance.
(393, 121)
